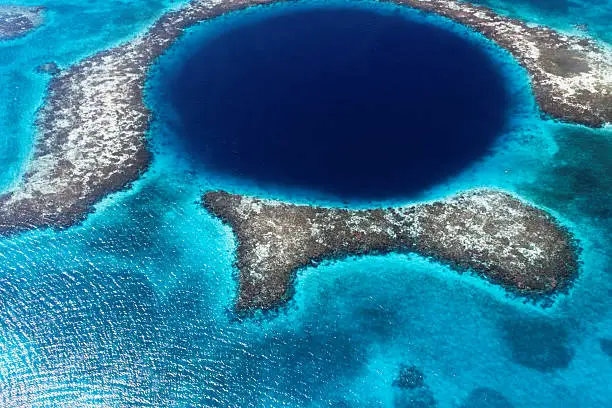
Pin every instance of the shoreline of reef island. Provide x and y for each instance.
(93, 125)
(17, 21)
(489, 232)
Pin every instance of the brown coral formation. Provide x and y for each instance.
(17, 21)
(489, 232)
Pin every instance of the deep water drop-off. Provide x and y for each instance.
(347, 102)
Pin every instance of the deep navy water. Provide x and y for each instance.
(133, 308)
(352, 103)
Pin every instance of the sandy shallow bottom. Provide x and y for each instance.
(134, 306)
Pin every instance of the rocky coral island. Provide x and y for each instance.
(16, 21)
(92, 128)
(486, 231)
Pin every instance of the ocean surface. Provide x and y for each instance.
(133, 308)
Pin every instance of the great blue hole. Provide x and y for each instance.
(350, 103)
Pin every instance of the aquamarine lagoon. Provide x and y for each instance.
(133, 305)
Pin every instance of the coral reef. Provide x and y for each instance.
(487, 231)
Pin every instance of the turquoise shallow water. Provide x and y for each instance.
(72, 31)
(591, 17)
(133, 308)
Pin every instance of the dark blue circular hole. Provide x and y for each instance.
(347, 102)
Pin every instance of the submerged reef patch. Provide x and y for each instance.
(409, 377)
(578, 178)
(50, 68)
(92, 128)
(484, 397)
(487, 231)
(16, 21)
(537, 343)
(410, 389)
(606, 346)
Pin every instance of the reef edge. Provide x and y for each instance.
(17, 21)
(489, 232)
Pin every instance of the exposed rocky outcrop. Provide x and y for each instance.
(490, 232)
(16, 21)
(93, 126)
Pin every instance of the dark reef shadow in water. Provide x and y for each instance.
(484, 397)
(578, 179)
(350, 103)
(411, 390)
(537, 343)
(606, 346)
